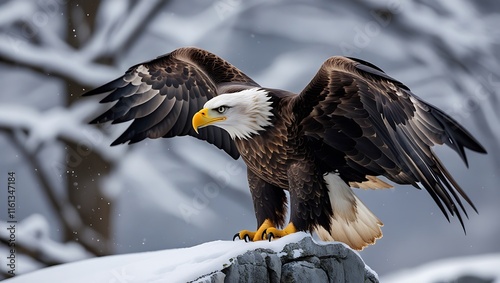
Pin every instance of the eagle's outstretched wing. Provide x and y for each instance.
(162, 95)
(364, 123)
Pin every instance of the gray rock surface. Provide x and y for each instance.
(304, 261)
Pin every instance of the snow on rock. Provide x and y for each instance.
(293, 258)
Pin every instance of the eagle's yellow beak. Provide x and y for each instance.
(202, 119)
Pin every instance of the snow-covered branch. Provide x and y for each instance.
(58, 62)
(116, 26)
(42, 127)
(117, 23)
(13, 11)
(33, 239)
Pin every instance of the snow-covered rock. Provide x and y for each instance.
(302, 261)
(295, 258)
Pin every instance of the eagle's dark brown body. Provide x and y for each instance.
(272, 161)
(271, 167)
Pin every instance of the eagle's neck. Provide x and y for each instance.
(252, 112)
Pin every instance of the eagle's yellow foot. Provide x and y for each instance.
(272, 232)
(254, 235)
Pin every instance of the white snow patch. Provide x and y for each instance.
(297, 253)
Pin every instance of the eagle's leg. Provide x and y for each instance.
(269, 204)
(309, 201)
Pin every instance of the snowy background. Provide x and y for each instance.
(76, 197)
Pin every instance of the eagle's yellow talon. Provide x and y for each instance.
(244, 235)
(273, 233)
(254, 235)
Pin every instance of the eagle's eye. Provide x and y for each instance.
(221, 109)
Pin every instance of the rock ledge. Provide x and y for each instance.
(303, 261)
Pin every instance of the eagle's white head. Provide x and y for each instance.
(242, 114)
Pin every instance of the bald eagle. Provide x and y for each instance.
(350, 124)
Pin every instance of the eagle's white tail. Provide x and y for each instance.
(352, 222)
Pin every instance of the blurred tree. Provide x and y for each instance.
(67, 40)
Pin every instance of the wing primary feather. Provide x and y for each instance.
(125, 136)
(109, 115)
(117, 83)
(120, 92)
(455, 196)
(153, 107)
(448, 176)
(420, 166)
(456, 136)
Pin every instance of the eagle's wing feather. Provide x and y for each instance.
(161, 96)
(352, 109)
